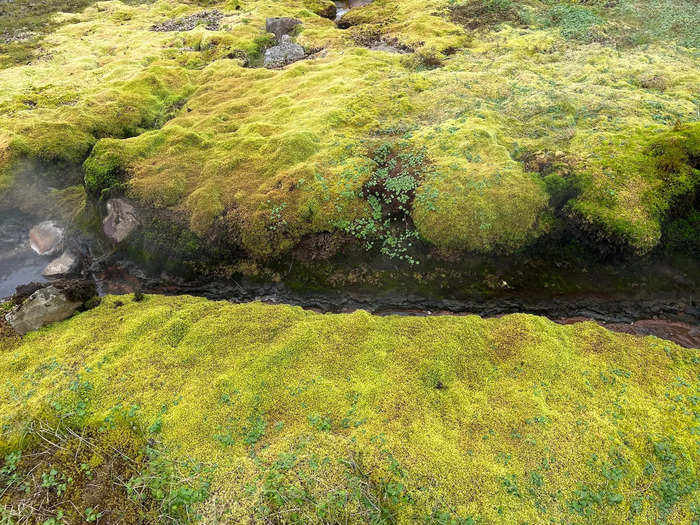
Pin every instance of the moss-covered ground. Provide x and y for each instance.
(242, 413)
(510, 117)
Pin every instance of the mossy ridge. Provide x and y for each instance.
(650, 172)
(306, 199)
(266, 196)
(511, 419)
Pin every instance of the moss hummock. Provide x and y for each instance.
(317, 418)
(187, 121)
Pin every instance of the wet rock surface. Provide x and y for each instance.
(286, 52)
(121, 220)
(280, 26)
(66, 264)
(209, 19)
(50, 304)
(46, 238)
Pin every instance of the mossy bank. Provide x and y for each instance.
(498, 124)
(243, 413)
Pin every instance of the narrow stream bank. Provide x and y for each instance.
(655, 297)
(674, 316)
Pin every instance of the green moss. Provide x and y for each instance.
(634, 180)
(226, 145)
(333, 417)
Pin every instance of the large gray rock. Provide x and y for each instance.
(66, 264)
(284, 53)
(45, 306)
(46, 238)
(121, 220)
(281, 26)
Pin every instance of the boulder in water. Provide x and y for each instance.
(50, 304)
(284, 53)
(61, 266)
(46, 238)
(121, 220)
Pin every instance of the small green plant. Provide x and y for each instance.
(321, 423)
(92, 515)
(390, 192)
(255, 429)
(276, 221)
(226, 439)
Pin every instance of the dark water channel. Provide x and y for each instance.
(19, 264)
(651, 298)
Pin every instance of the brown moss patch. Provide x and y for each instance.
(509, 338)
(72, 474)
(479, 14)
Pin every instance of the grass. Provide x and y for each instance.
(181, 121)
(302, 417)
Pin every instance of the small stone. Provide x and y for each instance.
(281, 26)
(46, 238)
(121, 220)
(284, 53)
(66, 264)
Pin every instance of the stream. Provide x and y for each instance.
(670, 313)
(650, 296)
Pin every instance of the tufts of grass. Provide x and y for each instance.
(71, 473)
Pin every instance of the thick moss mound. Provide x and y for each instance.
(303, 417)
(188, 121)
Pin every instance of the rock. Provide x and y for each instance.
(66, 264)
(284, 53)
(281, 26)
(46, 305)
(46, 238)
(121, 220)
(327, 9)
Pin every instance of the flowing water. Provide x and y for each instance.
(650, 298)
(343, 6)
(19, 264)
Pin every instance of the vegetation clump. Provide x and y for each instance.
(68, 473)
(180, 121)
(476, 14)
(275, 413)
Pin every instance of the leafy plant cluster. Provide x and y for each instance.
(396, 174)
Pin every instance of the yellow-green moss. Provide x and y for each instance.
(513, 420)
(265, 154)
